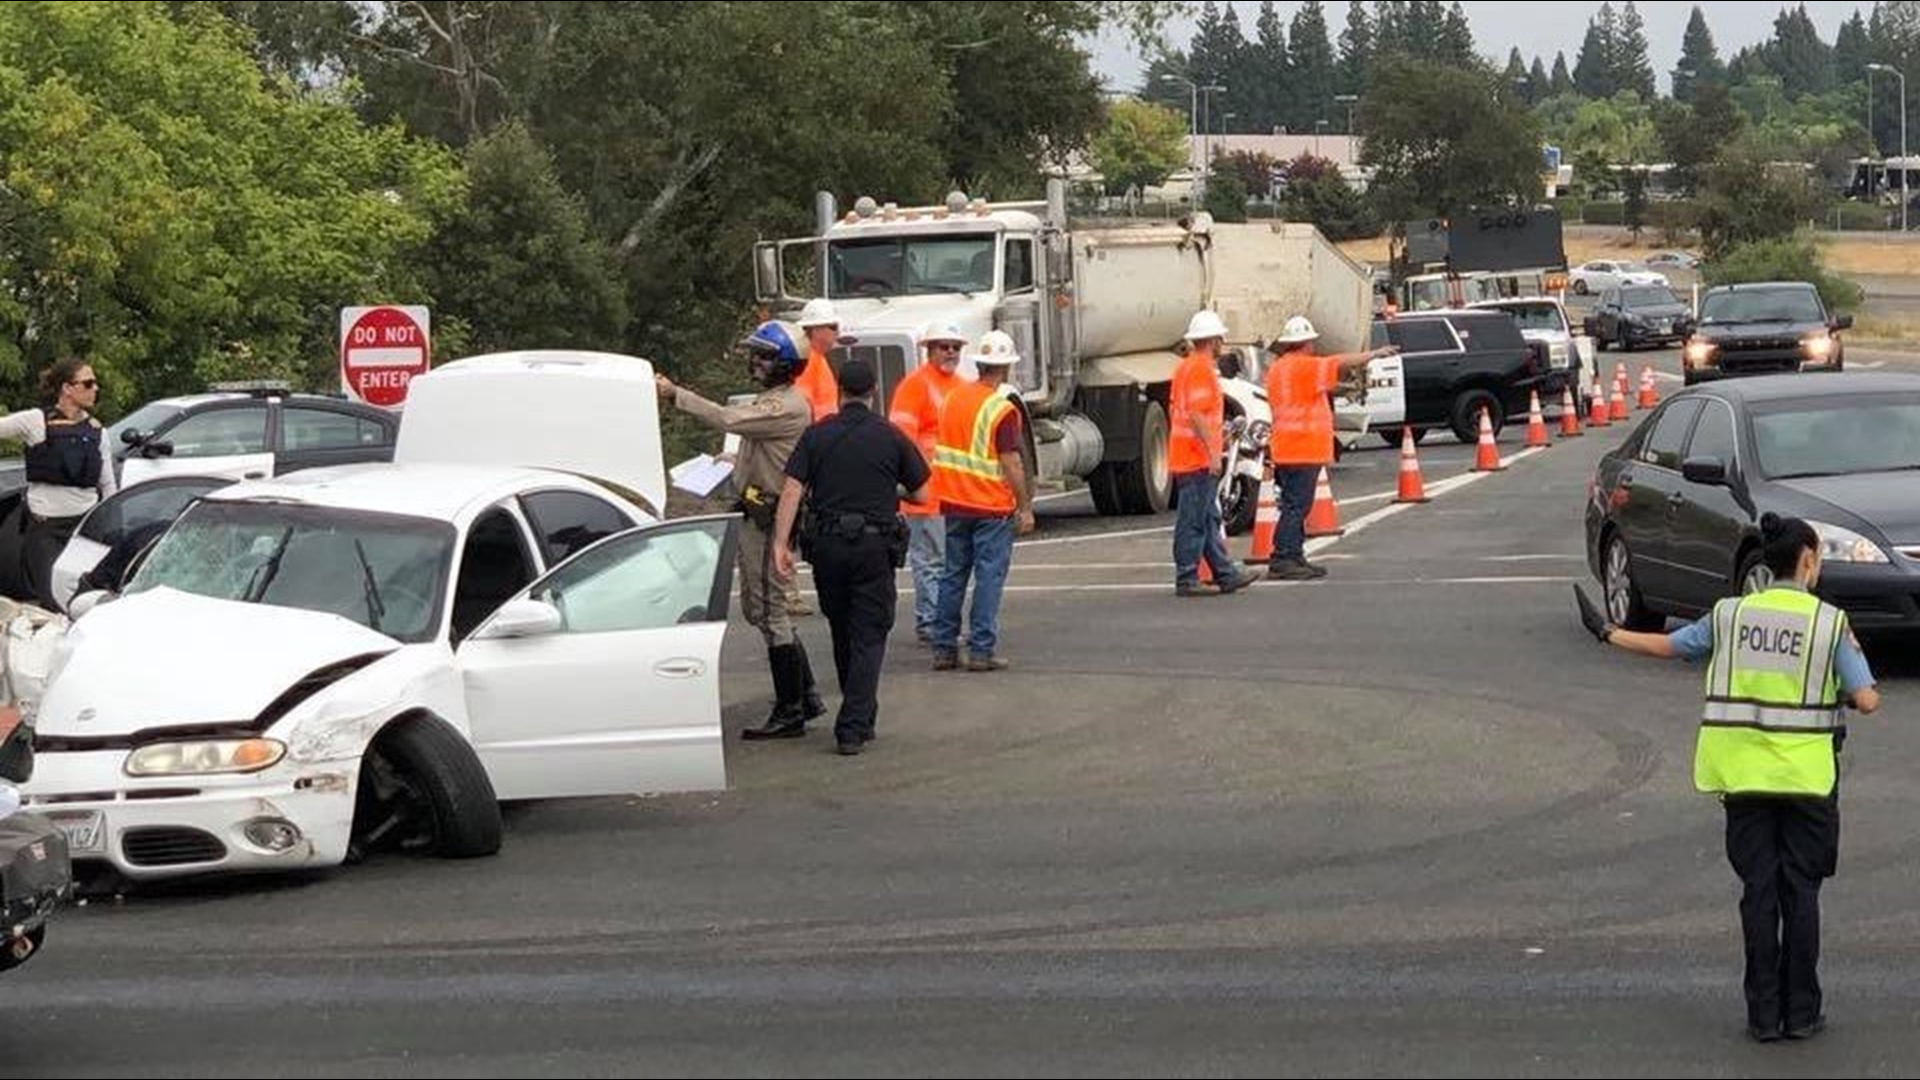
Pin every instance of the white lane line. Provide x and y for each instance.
(1530, 558)
(1395, 583)
(1870, 364)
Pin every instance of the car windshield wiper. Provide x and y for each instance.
(1811, 475)
(375, 609)
(266, 571)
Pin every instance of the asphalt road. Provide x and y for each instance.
(1408, 820)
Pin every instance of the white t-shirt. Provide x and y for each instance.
(57, 500)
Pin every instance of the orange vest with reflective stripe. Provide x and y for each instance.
(817, 384)
(966, 468)
(916, 412)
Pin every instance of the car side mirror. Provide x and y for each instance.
(153, 448)
(1704, 470)
(1683, 327)
(1844, 322)
(132, 436)
(521, 618)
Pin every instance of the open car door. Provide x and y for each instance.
(603, 677)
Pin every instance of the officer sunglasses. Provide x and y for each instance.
(86, 384)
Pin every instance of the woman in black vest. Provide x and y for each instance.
(69, 469)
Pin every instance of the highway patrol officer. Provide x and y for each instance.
(69, 469)
(768, 427)
(853, 467)
(1782, 665)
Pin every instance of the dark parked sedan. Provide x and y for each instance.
(1673, 513)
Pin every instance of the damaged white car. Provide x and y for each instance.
(337, 660)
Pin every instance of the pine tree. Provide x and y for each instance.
(1310, 60)
(1356, 49)
(1560, 81)
(1272, 78)
(1456, 37)
(1632, 70)
(1539, 86)
(1699, 59)
(1516, 76)
(1797, 56)
(1595, 70)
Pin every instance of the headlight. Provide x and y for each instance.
(1818, 347)
(1845, 545)
(206, 756)
(1258, 433)
(1699, 353)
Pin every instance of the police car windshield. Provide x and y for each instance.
(1838, 436)
(909, 266)
(313, 558)
(145, 418)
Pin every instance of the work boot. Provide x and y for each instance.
(810, 703)
(788, 719)
(985, 662)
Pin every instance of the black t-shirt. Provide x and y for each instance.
(857, 463)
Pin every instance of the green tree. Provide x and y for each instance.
(1632, 69)
(1316, 193)
(1455, 44)
(518, 266)
(1226, 198)
(1745, 199)
(1442, 138)
(1539, 83)
(1516, 76)
(1310, 62)
(1356, 49)
(1267, 69)
(1699, 59)
(1255, 170)
(1790, 257)
(1561, 81)
(173, 217)
(1596, 71)
(1141, 145)
(1633, 183)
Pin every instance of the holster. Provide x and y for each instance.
(757, 507)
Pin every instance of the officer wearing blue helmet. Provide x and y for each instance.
(768, 427)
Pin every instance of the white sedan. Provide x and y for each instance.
(341, 659)
(1602, 274)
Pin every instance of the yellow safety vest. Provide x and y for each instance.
(1773, 696)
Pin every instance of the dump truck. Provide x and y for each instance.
(1097, 309)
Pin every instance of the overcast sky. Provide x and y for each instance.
(1540, 28)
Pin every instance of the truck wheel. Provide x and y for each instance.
(423, 789)
(1466, 415)
(1242, 504)
(1105, 489)
(1145, 486)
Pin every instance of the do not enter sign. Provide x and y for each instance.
(381, 350)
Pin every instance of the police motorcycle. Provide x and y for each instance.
(36, 875)
(1242, 470)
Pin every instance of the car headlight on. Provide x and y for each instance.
(1699, 353)
(205, 756)
(1258, 433)
(1818, 347)
(1845, 545)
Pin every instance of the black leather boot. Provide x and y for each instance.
(788, 719)
(810, 703)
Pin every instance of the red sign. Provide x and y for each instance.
(381, 350)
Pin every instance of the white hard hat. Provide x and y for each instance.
(1204, 325)
(818, 313)
(942, 331)
(1299, 329)
(996, 350)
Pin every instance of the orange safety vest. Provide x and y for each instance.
(916, 412)
(817, 384)
(1297, 386)
(1195, 394)
(966, 467)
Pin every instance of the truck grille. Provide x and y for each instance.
(170, 845)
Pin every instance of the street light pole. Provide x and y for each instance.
(1348, 100)
(1902, 76)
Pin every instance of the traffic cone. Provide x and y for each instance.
(1649, 397)
(1569, 415)
(1324, 518)
(1619, 409)
(1412, 490)
(1597, 413)
(1536, 425)
(1487, 457)
(1266, 520)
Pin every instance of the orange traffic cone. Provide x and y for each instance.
(1569, 415)
(1487, 457)
(1619, 404)
(1412, 490)
(1649, 397)
(1597, 413)
(1266, 520)
(1536, 424)
(1324, 518)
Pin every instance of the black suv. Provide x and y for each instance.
(1453, 364)
(1760, 328)
(1636, 315)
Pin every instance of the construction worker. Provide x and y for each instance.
(916, 412)
(1782, 665)
(816, 382)
(1298, 382)
(768, 427)
(854, 468)
(1197, 416)
(986, 498)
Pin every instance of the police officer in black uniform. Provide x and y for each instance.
(69, 470)
(853, 468)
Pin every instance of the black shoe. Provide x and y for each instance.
(1808, 1031)
(810, 704)
(945, 661)
(848, 748)
(1240, 580)
(1291, 570)
(776, 727)
(1196, 589)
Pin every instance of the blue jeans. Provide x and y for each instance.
(1294, 485)
(1197, 530)
(983, 549)
(926, 555)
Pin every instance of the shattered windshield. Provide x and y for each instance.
(383, 571)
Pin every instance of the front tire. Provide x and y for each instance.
(422, 789)
(1466, 415)
(1242, 504)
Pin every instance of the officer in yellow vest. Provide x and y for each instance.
(1781, 664)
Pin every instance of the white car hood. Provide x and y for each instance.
(164, 657)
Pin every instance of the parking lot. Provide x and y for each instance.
(1407, 819)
